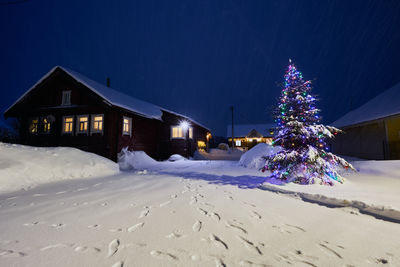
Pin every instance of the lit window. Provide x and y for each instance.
(97, 123)
(191, 132)
(33, 127)
(126, 126)
(238, 143)
(201, 145)
(66, 98)
(83, 123)
(46, 125)
(68, 125)
(177, 132)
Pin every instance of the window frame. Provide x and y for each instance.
(48, 121)
(64, 98)
(92, 121)
(64, 124)
(78, 124)
(37, 125)
(172, 131)
(190, 132)
(129, 132)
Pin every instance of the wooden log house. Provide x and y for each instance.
(65, 108)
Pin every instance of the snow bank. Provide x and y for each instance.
(374, 188)
(24, 167)
(254, 157)
(176, 157)
(134, 160)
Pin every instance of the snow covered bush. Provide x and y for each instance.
(176, 157)
(134, 160)
(255, 157)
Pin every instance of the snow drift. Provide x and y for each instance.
(23, 167)
(254, 157)
(134, 160)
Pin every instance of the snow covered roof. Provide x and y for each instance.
(242, 130)
(112, 96)
(384, 105)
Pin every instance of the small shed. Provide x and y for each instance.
(372, 131)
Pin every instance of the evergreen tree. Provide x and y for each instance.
(304, 157)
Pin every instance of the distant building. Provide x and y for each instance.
(65, 108)
(372, 131)
(249, 135)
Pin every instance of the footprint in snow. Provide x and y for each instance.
(255, 214)
(113, 247)
(104, 204)
(135, 227)
(118, 264)
(93, 226)
(216, 241)
(249, 245)
(34, 223)
(193, 200)
(61, 192)
(116, 230)
(165, 203)
(81, 249)
(9, 253)
(57, 225)
(59, 245)
(197, 226)
(234, 226)
(174, 196)
(174, 236)
(163, 255)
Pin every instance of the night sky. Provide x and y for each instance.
(200, 57)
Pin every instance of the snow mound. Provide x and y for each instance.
(176, 157)
(134, 160)
(254, 157)
(24, 167)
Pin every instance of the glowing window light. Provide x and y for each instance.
(68, 124)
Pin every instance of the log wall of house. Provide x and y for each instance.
(366, 141)
(393, 131)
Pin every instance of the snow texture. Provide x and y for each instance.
(24, 167)
(384, 105)
(193, 213)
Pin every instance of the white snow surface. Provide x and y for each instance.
(383, 105)
(24, 167)
(189, 213)
(376, 183)
(254, 157)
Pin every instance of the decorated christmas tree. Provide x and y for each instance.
(305, 156)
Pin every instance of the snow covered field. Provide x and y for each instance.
(184, 213)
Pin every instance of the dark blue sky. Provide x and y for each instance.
(200, 57)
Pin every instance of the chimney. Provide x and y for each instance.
(108, 81)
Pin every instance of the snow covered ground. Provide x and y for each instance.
(184, 213)
(23, 167)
